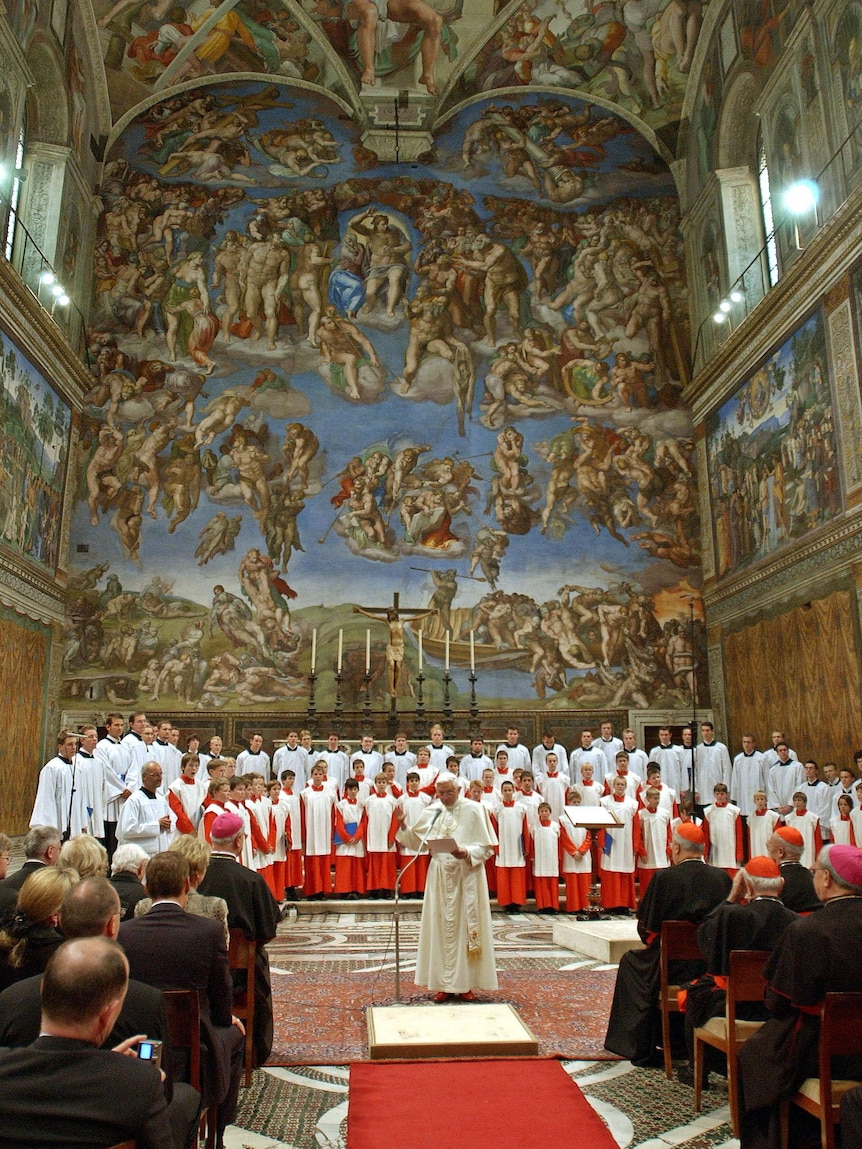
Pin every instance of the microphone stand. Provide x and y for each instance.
(397, 910)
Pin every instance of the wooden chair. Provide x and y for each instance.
(678, 943)
(184, 1022)
(745, 982)
(242, 953)
(840, 1034)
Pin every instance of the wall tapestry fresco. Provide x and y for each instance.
(772, 466)
(320, 384)
(34, 446)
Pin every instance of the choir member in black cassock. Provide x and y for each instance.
(752, 918)
(817, 954)
(251, 908)
(687, 891)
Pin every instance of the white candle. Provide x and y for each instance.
(472, 653)
(340, 648)
(420, 648)
(367, 651)
(447, 650)
(313, 649)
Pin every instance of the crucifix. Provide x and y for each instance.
(392, 616)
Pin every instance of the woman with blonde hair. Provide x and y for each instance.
(197, 853)
(86, 855)
(30, 936)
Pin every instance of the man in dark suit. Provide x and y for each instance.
(63, 1090)
(41, 848)
(92, 909)
(252, 909)
(172, 949)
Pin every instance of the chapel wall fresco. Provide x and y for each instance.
(460, 383)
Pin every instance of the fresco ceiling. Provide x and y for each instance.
(633, 56)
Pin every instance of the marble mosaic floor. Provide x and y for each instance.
(305, 1107)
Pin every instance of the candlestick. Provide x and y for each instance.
(420, 647)
(367, 651)
(340, 650)
(446, 665)
(472, 651)
(313, 649)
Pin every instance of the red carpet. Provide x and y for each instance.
(508, 1104)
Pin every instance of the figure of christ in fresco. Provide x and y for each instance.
(376, 26)
(342, 343)
(388, 260)
(395, 644)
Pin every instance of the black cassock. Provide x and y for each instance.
(757, 926)
(252, 909)
(818, 954)
(685, 892)
(798, 893)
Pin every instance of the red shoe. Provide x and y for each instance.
(440, 996)
(468, 996)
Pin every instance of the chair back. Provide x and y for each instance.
(184, 1022)
(678, 943)
(241, 956)
(124, 1145)
(840, 1032)
(745, 980)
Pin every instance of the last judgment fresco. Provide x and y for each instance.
(319, 381)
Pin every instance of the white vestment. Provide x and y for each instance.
(139, 822)
(456, 941)
(56, 804)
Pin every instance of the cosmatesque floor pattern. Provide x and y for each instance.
(305, 1106)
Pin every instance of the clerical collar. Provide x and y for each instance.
(472, 755)
(160, 743)
(224, 854)
(84, 754)
(135, 734)
(705, 743)
(400, 753)
(746, 755)
(603, 739)
(151, 794)
(68, 761)
(115, 741)
(286, 747)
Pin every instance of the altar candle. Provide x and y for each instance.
(420, 648)
(472, 653)
(367, 651)
(447, 650)
(340, 648)
(313, 649)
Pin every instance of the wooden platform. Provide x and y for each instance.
(458, 1030)
(604, 941)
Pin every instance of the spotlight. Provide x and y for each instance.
(736, 297)
(724, 306)
(801, 197)
(719, 317)
(47, 277)
(58, 290)
(63, 300)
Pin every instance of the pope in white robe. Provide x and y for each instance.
(456, 948)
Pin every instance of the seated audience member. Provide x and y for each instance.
(91, 909)
(197, 853)
(128, 867)
(85, 855)
(752, 918)
(171, 949)
(63, 1090)
(41, 848)
(30, 935)
(817, 954)
(687, 891)
(5, 855)
(785, 847)
(252, 909)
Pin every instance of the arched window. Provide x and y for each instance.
(766, 208)
(15, 193)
